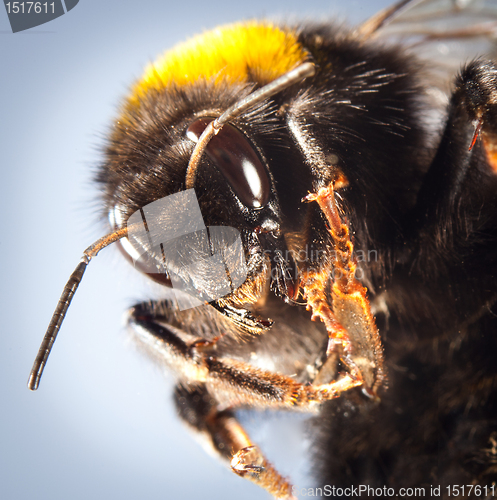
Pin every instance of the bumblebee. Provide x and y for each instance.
(322, 246)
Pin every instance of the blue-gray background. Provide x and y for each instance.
(102, 424)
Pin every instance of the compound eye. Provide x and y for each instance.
(237, 160)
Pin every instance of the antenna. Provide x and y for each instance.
(64, 302)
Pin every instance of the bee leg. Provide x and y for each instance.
(457, 204)
(224, 434)
(235, 383)
(216, 385)
(349, 320)
(467, 153)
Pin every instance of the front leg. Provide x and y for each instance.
(348, 318)
(234, 383)
(226, 384)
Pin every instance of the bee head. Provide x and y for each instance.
(156, 153)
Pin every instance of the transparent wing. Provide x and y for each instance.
(462, 25)
(444, 34)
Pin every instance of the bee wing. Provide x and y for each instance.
(447, 24)
(442, 34)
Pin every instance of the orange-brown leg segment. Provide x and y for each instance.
(228, 439)
(248, 462)
(348, 319)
